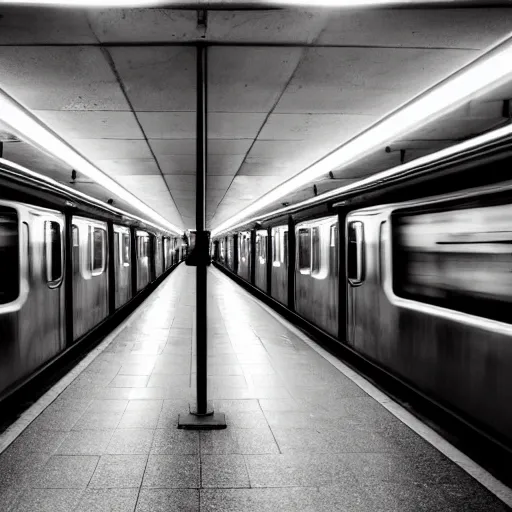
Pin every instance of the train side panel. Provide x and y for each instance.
(279, 272)
(230, 257)
(316, 273)
(122, 265)
(244, 255)
(431, 335)
(90, 275)
(32, 308)
(143, 251)
(158, 255)
(260, 273)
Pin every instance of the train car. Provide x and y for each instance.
(410, 273)
(57, 289)
(32, 319)
(430, 295)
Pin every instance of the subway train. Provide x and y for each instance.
(67, 263)
(412, 273)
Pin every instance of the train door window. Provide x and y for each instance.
(142, 246)
(242, 245)
(276, 245)
(315, 250)
(285, 248)
(75, 236)
(261, 247)
(53, 252)
(304, 251)
(117, 247)
(9, 256)
(355, 253)
(98, 251)
(333, 247)
(74, 231)
(126, 249)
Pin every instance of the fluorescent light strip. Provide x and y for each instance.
(34, 131)
(227, 4)
(424, 160)
(85, 197)
(493, 67)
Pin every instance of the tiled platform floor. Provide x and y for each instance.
(301, 436)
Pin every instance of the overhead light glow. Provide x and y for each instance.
(492, 68)
(77, 193)
(32, 130)
(383, 175)
(233, 4)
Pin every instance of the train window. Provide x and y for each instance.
(142, 246)
(125, 250)
(117, 247)
(261, 247)
(53, 251)
(243, 245)
(334, 236)
(285, 248)
(457, 257)
(276, 246)
(334, 260)
(304, 241)
(316, 250)
(98, 251)
(355, 253)
(74, 230)
(9, 255)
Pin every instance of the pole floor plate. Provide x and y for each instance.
(216, 421)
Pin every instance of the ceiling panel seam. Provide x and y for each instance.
(112, 65)
(256, 44)
(269, 113)
(290, 78)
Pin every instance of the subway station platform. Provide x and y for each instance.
(302, 435)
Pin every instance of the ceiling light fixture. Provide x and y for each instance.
(34, 131)
(77, 193)
(241, 4)
(492, 68)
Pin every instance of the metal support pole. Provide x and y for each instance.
(201, 417)
(201, 289)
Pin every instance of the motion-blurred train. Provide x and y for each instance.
(66, 265)
(412, 273)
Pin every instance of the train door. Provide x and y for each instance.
(122, 264)
(90, 274)
(32, 317)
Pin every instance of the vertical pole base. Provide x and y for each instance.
(208, 421)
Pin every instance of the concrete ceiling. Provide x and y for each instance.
(285, 87)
